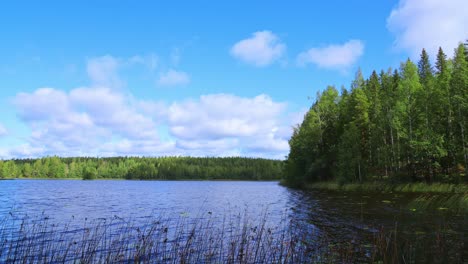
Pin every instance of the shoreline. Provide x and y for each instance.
(434, 188)
(120, 179)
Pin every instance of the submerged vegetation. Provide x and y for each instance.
(162, 168)
(406, 125)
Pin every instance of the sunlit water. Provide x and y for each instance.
(62, 200)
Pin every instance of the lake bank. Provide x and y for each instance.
(150, 180)
(388, 187)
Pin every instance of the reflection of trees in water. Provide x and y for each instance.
(363, 223)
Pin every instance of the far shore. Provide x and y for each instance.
(120, 179)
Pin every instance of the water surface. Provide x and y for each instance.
(338, 216)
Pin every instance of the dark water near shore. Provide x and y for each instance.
(340, 217)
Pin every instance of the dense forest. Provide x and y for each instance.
(397, 125)
(162, 168)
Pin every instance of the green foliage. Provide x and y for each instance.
(310, 156)
(143, 168)
(406, 125)
(10, 170)
(89, 173)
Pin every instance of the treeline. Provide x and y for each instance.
(161, 168)
(402, 125)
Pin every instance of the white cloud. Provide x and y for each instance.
(429, 24)
(106, 71)
(228, 124)
(336, 56)
(113, 110)
(81, 120)
(262, 49)
(3, 131)
(38, 105)
(173, 78)
(4, 153)
(23, 150)
(103, 71)
(102, 121)
(105, 122)
(223, 115)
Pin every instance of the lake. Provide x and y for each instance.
(338, 217)
(62, 200)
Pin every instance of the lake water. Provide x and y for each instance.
(338, 216)
(62, 200)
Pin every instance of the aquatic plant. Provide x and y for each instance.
(205, 239)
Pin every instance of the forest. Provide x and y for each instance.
(143, 168)
(405, 125)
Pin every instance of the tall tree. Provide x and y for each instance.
(430, 143)
(459, 90)
(407, 118)
(360, 113)
(373, 90)
(443, 108)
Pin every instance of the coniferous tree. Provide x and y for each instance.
(410, 122)
(459, 91)
(430, 143)
(373, 91)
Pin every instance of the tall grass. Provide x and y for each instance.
(237, 240)
(183, 240)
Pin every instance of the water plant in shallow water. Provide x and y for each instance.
(201, 240)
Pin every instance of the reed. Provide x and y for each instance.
(162, 240)
(206, 239)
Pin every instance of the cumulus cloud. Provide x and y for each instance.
(23, 150)
(106, 122)
(82, 119)
(99, 120)
(429, 24)
(261, 49)
(173, 78)
(225, 123)
(223, 115)
(336, 56)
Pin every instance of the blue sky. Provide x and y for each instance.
(203, 78)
